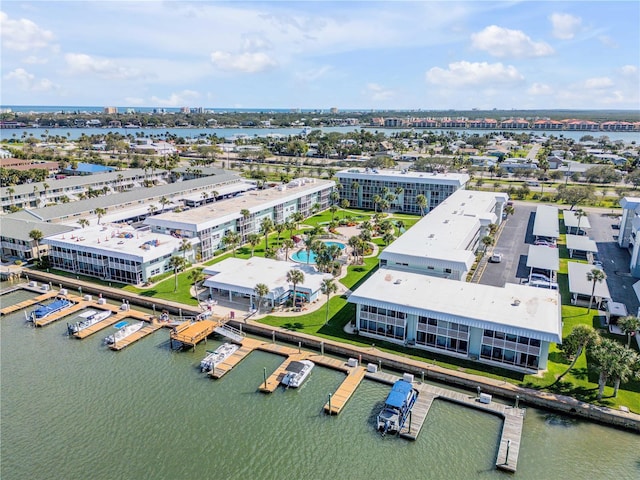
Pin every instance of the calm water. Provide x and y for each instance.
(73, 409)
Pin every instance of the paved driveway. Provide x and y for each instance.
(513, 243)
(615, 260)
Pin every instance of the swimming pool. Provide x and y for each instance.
(301, 255)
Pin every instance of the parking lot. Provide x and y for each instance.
(517, 235)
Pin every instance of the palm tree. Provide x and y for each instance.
(387, 238)
(100, 212)
(297, 217)
(295, 277)
(487, 241)
(355, 242)
(421, 202)
(253, 239)
(214, 194)
(177, 264)
(327, 287)
(36, 235)
(579, 213)
(164, 201)
(266, 226)
(11, 192)
(262, 290)
(595, 275)
(629, 325)
(185, 246)
(279, 228)
(289, 225)
(288, 244)
(196, 276)
(333, 209)
(344, 204)
(581, 337)
(625, 367)
(232, 239)
(308, 246)
(83, 222)
(610, 359)
(376, 200)
(152, 209)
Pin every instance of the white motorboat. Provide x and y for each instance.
(218, 356)
(87, 319)
(123, 333)
(297, 373)
(397, 406)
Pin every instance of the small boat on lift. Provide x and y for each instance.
(43, 311)
(218, 356)
(297, 373)
(87, 319)
(123, 332)
(397, 407)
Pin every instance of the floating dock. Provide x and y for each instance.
(134, 337)
(28, 303)
(54, 317)
(247, 346)
(344, 392)
(270, 384)
(513, 418)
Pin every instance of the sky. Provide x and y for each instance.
(303, 54)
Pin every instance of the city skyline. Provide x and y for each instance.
(349, 55)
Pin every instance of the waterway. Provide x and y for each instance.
(231, 133)
(75, 409)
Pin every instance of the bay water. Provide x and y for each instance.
(73, 409)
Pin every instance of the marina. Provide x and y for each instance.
(87, 319)
(364, 398)
(218, 356)
(139, 334)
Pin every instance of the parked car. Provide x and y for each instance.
(541, 284)
(597, 263)
(540, 277)
(496, 258)
(545, 243)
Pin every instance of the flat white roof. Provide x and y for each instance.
(543, 257)
(225, 190)
(118, 241)
(571, 220)
(581, 243)
(546, 223)
(445, 233)
(242, 275)
(579, 284)
(516, 309)
(213, 214)
(459, 179)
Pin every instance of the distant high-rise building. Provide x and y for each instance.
(110, 110)
(198, 110)
(185, 110)
(334, 110)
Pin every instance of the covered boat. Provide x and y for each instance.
(218, 356)
(397, 406)
(297, 373)
(87, 319)
(123, 332)
(43, 311)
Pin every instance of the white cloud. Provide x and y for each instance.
(598, 83)
(504, 42)
(379, 93)
(246, 62)
(34, 60)
(23, 34)
(540, 89)
(608, 41)
(629, 70)
(81, 64)
(477, 73)
(179, 99)
(28, 81)
(313, 74)
(565, 26)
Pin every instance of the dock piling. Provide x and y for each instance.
(265, 376)
(329, 404)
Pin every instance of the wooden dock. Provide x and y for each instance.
(344, 392)
(54, 317)
(513, 418)
(247, 346)
(134, 337)
(192, 333)
(28, 303)
(271, 383)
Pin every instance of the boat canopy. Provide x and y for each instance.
(399, 393)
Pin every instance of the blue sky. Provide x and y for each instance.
(347, 54)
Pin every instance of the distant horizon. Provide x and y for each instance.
(325, 109)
